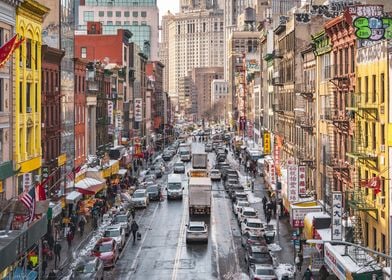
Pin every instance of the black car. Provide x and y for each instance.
(258, 255)
(156, 170)
(154, 192)
(229, 173)
(166, 156)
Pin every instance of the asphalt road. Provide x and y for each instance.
(162, 252)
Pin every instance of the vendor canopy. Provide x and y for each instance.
(89, 186)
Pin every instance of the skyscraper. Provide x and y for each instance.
(141, 17)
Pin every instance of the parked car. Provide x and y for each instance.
(262, 272)
(215, 174)
(150, 178)
(246, 212)
(208, 148)
(106, 249)
(117, 233)
(239, 204)
(179, 167)
(196, 231)
(240, 195)
(124, 220)
(156, 170)
(252, 225)
(88, 267)
(167, 155)
(228, 172)
(154, 192)
(140, 198)
(252, 239)
(258, 255)
(232, 181)
(172, 150)
(232, 189)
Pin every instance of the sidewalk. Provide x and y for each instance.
(66, 255)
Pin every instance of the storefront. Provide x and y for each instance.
(269, 174)
(344, 266)
(299, 210)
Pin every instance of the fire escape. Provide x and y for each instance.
(356, 200)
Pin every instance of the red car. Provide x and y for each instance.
(107, 250)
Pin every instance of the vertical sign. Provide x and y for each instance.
(138, 110)
(110, 112)
(301, 179)
(292, 181)
(27, 180)
(267, 143)
(337, 216)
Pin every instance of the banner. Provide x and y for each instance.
(267, 143)
(292, 181)
(138, 110)
(337, 227)
(8, 48)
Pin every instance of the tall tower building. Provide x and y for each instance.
(141, 17)
(193, 39)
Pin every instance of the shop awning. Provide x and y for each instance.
(73, 197)
(6, 170)
(122, 172)
(89, 186)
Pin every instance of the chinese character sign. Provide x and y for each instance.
(27, 180)
(138, 110)
(337, 211)
(301, 179)
(292, 182)
(267, 143)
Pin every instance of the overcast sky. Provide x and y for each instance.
(165, 5)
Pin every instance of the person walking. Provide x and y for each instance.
(134, 229)
(70, 237)
(308, 274)
(82, 223)
(44, 265)
(52, 275)
(264, 201)
(57, 252)
(252, 185)
(132, 210)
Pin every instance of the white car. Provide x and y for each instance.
(215, 174)
(252, 225)
(117, 233)
(240, 204)
(262, 271)
(246, 212)
(196, 231)
(140, 198)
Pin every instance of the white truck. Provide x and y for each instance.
(199, 191)
(174, 186)
(185, 151)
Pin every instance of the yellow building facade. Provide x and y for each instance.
(369, 109)
(27, 84)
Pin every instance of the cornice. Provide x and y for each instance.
(32, 9)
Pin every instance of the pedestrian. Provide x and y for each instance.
(132, 210)
(323, 273)
(308, 274)
(44, 265)
(70, 237)
(134, 229)
(252, 185)
(57, 252)
(82, 223)
(50, 241)
(264, 201)
(298, 261)
(268, 216)
(52, 275)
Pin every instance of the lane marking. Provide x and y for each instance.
(213, 237)
(133, 266)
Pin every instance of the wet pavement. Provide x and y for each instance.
(162, 252)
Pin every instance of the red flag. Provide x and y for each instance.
(8, 48)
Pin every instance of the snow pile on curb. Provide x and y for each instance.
(284, 269)
(274, 247)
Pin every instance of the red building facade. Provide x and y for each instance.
(51, 114)
(80, 111)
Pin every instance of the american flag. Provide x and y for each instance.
(28, 200)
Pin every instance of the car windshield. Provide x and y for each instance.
(178, 164)
(255, 225)
(112, 233)
(254, 238)
(152, 189)
(184, 152)
(243, 203)
(263, 271)
(259, 255)
(249, 213)
(104, 248)
(196, 228)
(120, 219)
(85, 268)
(175, 186)
(138, 195)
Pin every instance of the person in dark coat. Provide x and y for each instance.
(70, 237)
(82, 223)
(44, 265)
(323, 273)
(264, 201)
(52, 275)
(57, 252)
(308, 274)
(134, 229)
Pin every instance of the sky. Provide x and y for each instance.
(165, 5)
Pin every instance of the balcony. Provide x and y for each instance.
(277, 81)
(304, 157)
(340, 119)
(339, 76)
(306, 123)
(363, 156)
(339, 167)
(277, 108)
(306, 90)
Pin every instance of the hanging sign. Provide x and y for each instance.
(138, 110)
(337, 227)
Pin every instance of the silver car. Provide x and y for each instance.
(140, 198)
(117, 233)
(196, 231)
(262, 271)
(88, 267)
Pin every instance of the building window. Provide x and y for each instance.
(118, 22)
(28, 53)
(374, 238)
(1, 145)
(127, 22)
(135, 23)
(118, 13)
(143, 14)
(28, 97)
(382, 128)
(135, 14)
(143, 23)
(366, 135)
(1, 36)
(20, 97)
(109, 13)
(101, 13)
(374, 85)
(352, 59)
(88, 16)
(366, 89)
(36, 98)
(109, 22)
(83, 52)
(2, 93)
(374, 136)
(126, 14)
(382, 88)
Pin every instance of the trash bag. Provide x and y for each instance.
(139, 236)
